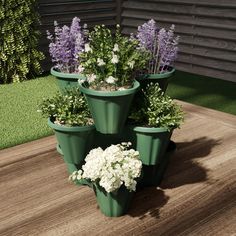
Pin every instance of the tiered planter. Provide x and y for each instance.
(153, 174)
(66, 80)
(161, 79)
(74, 142)
(115, 203)
(151, 143)
(109, 109)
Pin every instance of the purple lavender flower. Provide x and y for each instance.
(147, 34)
(66, 45)
(167, 48)
(162, 44)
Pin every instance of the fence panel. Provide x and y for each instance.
(207, 29)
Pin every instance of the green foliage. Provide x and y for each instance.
(69, 109)
(154, 109)
(111, 60)
(19, 57)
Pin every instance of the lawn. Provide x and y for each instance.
(21, 123)
(204, 91)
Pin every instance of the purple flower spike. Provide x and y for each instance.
(147, 34)
(66, 45)
(162, 44)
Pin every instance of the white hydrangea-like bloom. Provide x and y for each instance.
(87, 47)
(100, 62)
(91, 78)
(116, 48)
(110, 80)
(114, 59)
(112, 167)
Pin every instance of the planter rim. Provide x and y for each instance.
(70, 129)
(66, 75)
(149, 129)
(109, 93)
(157, 76)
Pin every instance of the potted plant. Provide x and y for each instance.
(109, 63)
(69, 116)
(65, 46)
(113, 173)
(155, 116)
(163, 47)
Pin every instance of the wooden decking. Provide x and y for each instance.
(197, 195)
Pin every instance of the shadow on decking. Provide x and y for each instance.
(183, 167)
(148, 203)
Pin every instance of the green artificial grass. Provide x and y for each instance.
(20, 121)
(204, 91)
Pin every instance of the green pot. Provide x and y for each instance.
(161, 79)
(152, 175)
(105, 140)
(72, 167)
(109, 108)
(113, 204)
(66, 80)
(74, 142)
(151, 143)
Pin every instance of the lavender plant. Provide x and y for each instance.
(66, 45)
(161, 43)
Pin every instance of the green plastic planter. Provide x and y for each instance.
(74, 142)
(109, 109)
(152, 175)
(161, 79)
(151, 143)
(66, 80)
(113, 204)
(72, 167)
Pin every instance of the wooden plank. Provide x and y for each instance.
(218, 3)
(209, 43)
(207, 52)
(76, 6)
(208, 62)
(196, 197)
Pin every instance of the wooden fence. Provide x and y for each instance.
(207, 28)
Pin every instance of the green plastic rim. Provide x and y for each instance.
(158, 76)
(62, 75)
(149, 129)
(109, 93)
(70, 129)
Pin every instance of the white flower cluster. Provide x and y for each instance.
(111, 168)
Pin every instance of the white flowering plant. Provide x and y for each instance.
(111, 168)
(110, 61)
(69, 108)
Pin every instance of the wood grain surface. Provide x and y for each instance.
(196, 197)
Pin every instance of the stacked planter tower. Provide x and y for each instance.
(115, 75)
(112, 128)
